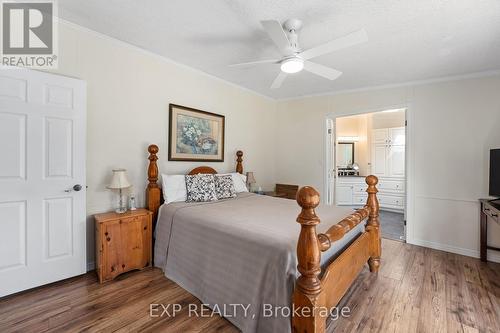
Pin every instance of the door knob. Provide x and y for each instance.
(76, 188)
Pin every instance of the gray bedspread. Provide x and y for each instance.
(239, 251)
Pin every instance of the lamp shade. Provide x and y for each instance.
(250, 178)
(119, 179)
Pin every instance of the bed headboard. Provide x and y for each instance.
(202, 169)
(154, 194)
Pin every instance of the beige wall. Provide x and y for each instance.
(387, 119)
(128, 95)
(452, 127)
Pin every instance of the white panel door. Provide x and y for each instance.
(379, 160)
(42, 149)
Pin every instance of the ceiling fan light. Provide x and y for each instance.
(293, 65)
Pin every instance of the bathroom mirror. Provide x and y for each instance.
(345, 154)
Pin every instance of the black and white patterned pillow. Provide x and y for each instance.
(224, 187)
(200, 188)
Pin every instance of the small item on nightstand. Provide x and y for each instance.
(120, 182)
(250, 180)
(131, 202)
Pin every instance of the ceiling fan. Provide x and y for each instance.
(294, 59)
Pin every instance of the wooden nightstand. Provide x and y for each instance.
(274, 194)
(123, 242)
(284, 191)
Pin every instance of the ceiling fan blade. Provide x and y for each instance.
(354, 38)
(278, 80)
(277, 34)
(326, 72)
(258, 62)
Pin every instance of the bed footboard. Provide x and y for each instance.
(314, 297)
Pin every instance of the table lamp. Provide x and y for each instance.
(120, 182)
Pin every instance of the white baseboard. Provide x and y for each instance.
(90, 266)
(492, 256)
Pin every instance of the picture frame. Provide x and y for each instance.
(195, 135)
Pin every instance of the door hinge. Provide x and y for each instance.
(406, 122)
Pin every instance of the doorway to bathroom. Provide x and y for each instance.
(369, 144)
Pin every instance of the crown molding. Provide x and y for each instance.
(450, 78)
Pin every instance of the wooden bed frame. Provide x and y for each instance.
(313, 296)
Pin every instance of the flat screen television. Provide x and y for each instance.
(495, 172)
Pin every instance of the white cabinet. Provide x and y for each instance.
(397, 136)
(396, 161)
(380, 136)
(344, 194)
(391, 185)
(351, 191)
(388, 152)
(388, 164)
(359, 200)
(394, 202)
(379, 160)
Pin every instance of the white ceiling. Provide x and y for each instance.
(409, 40)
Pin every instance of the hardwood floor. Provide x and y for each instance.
(416, 290)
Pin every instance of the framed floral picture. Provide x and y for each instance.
(195, 135)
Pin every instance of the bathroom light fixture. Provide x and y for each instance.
(347, 139)
(292, 65)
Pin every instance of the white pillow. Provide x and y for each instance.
(239, 180)
(174, 188)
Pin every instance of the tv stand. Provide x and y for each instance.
(495, 201)
(490, 211)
